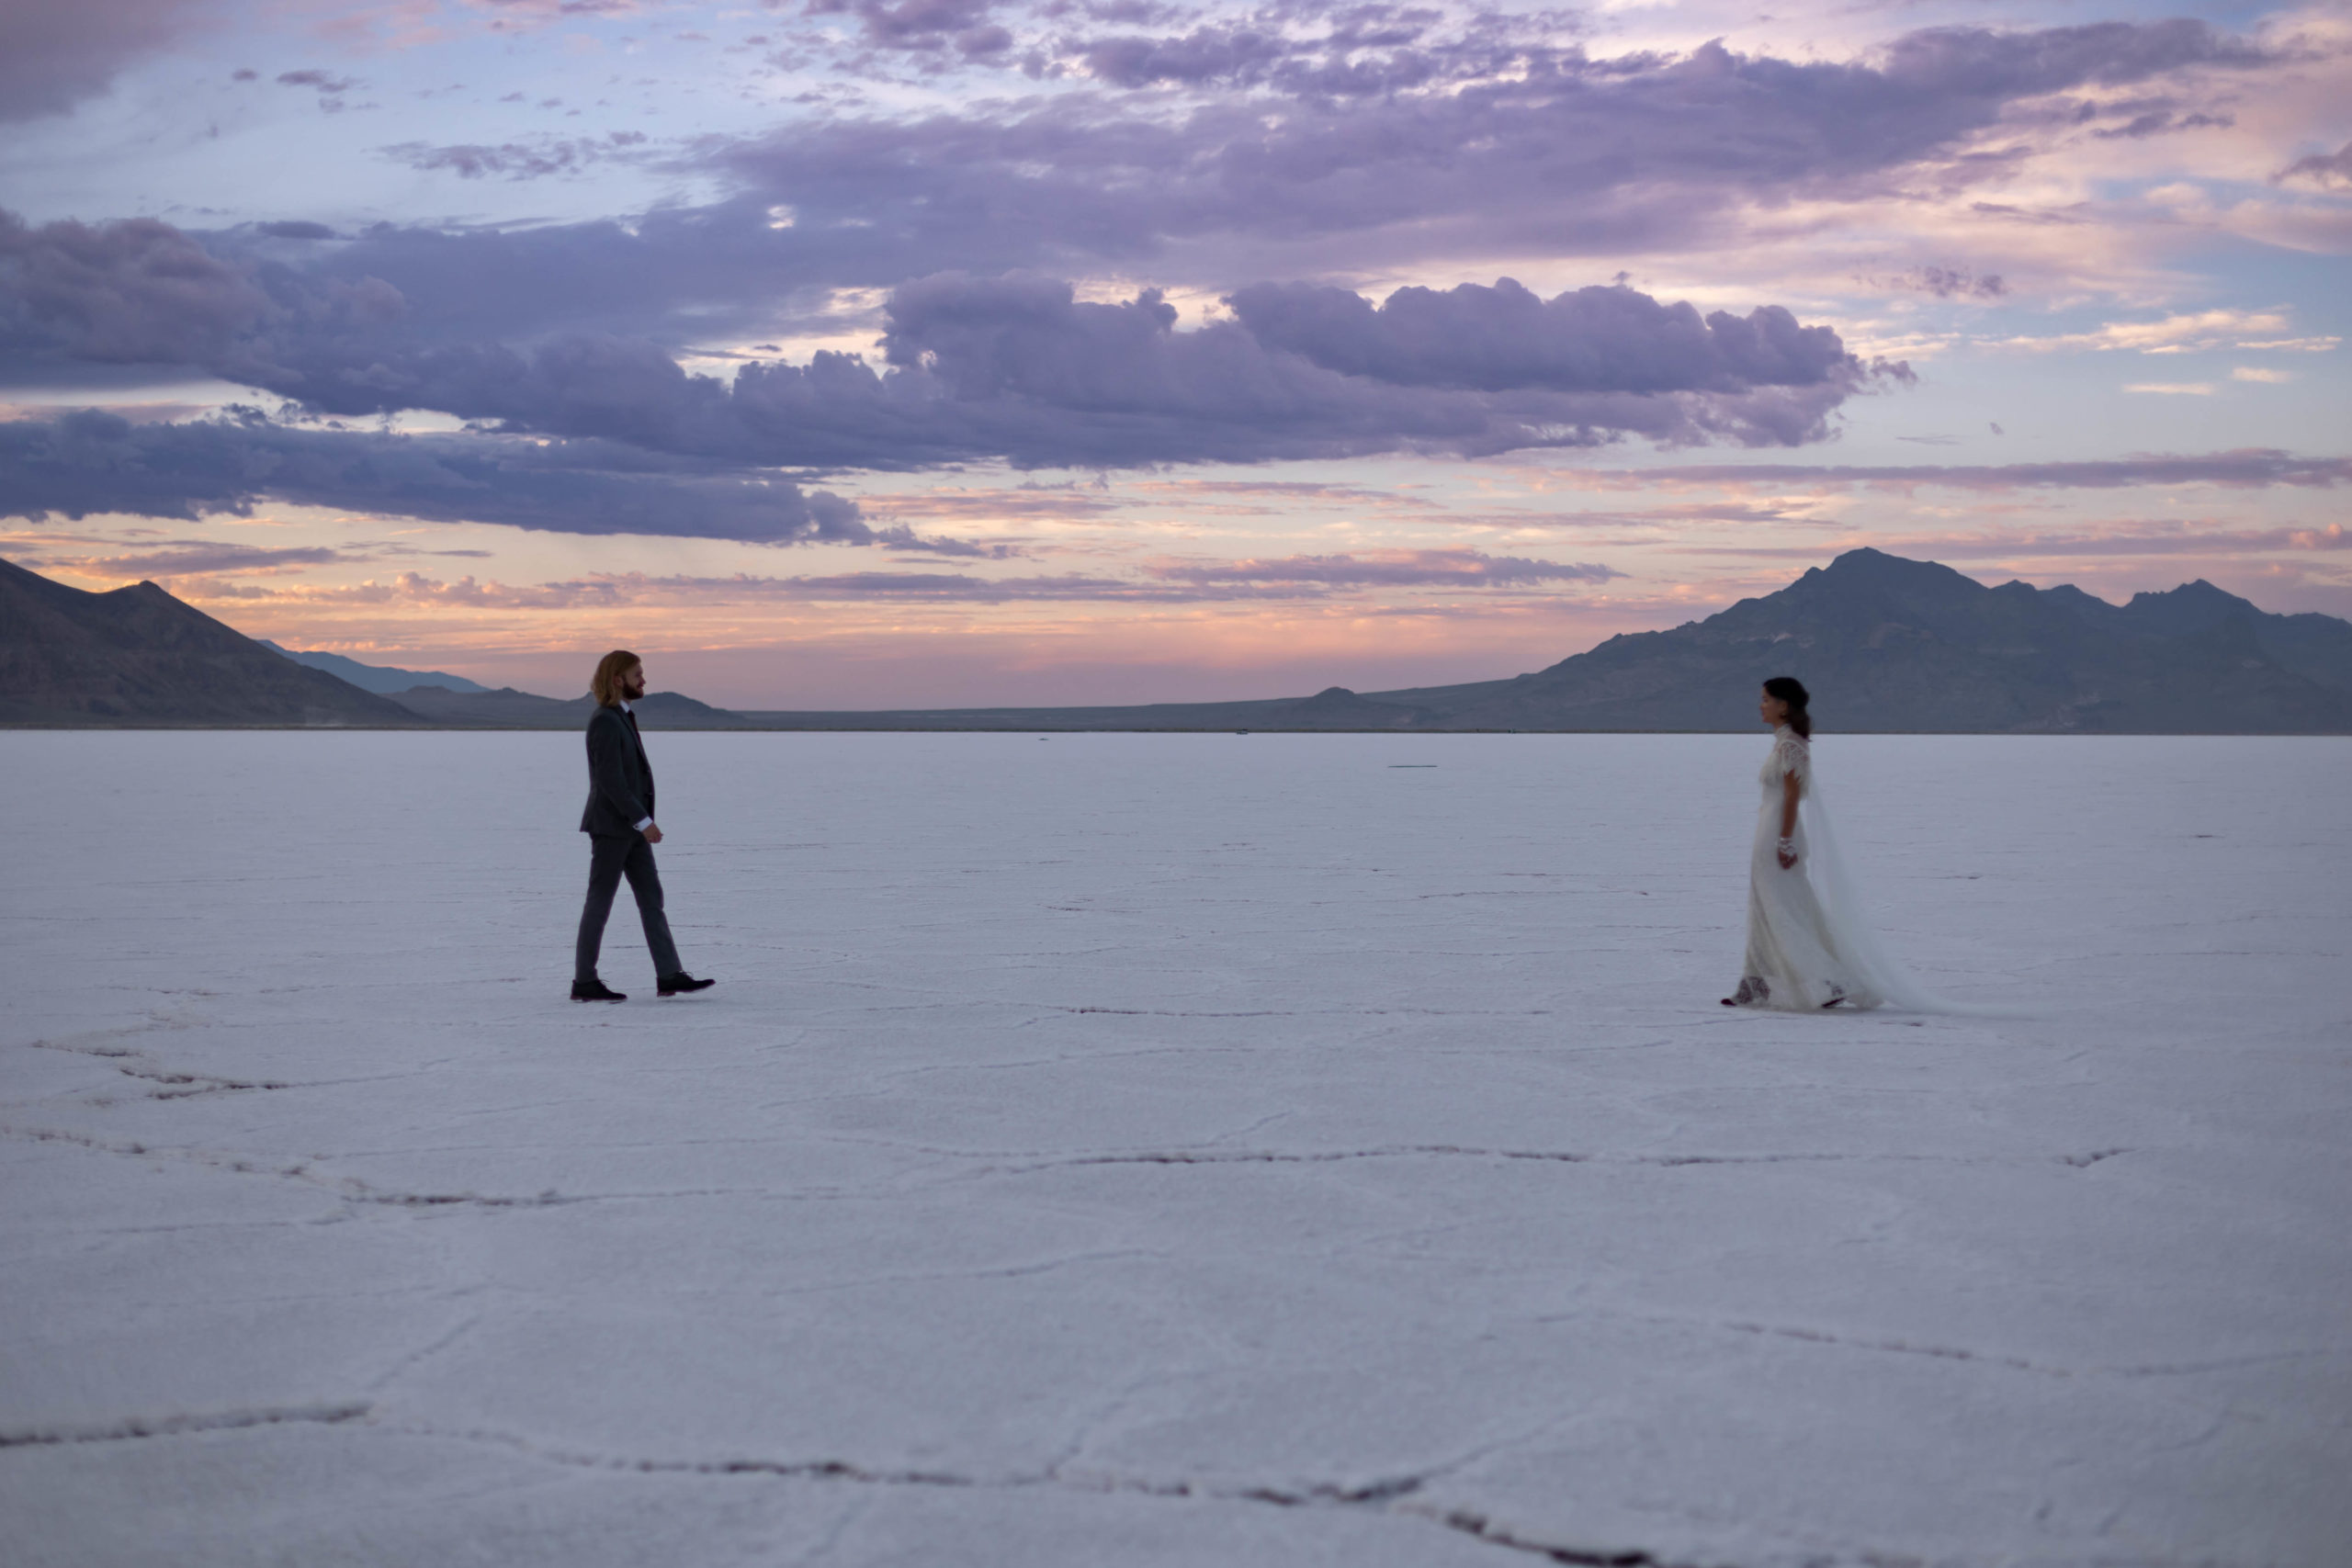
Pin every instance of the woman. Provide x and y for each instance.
(1801, 954)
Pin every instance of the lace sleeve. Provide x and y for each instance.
(1791, 755)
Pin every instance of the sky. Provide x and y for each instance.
(842, 353)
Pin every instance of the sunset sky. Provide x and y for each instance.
(869, 353)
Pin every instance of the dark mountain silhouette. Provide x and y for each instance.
(137, 656)
(1889, 644)
(1885, 643)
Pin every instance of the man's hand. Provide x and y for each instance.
(653, 832)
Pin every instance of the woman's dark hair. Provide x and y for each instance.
(1791, 690)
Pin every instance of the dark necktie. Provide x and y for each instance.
(639, 736)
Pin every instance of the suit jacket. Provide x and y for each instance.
(620, 777)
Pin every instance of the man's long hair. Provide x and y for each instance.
(607, 685)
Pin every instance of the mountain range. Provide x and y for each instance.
(137, 657)
(381, 679)
(1883, 643)
(1886, 643)
(1889, 643)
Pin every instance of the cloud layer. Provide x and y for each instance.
(931, 236)
(1014, 367)
(1401, 134)
(96, 462)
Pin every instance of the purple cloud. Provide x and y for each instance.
(1953, 283)
(56, 54)
(97, 462)
(1016, 367)
(1013, 367)
(1228, 54)
(2161, 123)
(517, 160)
(2322, 168)
(1980, 62)
(923, 26)
(1505, 337)
(1642, 152)
(137, 290)
(326, 82)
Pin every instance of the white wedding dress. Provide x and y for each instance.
(1810, 942)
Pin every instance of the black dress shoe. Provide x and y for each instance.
(671, 985)
(594, 991)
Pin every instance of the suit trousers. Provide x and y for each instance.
(611, 857)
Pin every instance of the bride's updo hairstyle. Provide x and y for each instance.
(1790, 690)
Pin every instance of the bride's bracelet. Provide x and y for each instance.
(1788, 847)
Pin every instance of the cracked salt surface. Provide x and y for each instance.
(1169, 1150)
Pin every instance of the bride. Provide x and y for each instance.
(1810, 944)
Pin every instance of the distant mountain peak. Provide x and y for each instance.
(137, 656)
(1866, 564)
(1887, 643)
(2193, 592)
(2188, 609)
(385, 680)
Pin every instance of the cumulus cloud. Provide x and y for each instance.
(124, 293)
(1014, 367)
(97, 462)
(1505, 337)
(1018, 367)
(923, 26)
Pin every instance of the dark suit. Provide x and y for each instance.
(620, 795)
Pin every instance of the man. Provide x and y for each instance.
(621, 835)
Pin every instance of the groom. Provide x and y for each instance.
(621, 834)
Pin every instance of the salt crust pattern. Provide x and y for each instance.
(1169, 1150)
